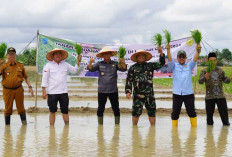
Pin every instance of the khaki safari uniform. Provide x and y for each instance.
(12, 79)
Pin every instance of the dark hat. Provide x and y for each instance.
(181, 52)
(11, 49)
(212, 54)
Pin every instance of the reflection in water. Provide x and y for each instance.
(21, 141)
(8, 142)
(64, 142)
(100, 141)
(39, 139)
(222, 141)
(190, 144)
(150, 146)
(188, 148)
(137, 147)
(115, 141)
(211, 149)
(176, 145)
(52, 144)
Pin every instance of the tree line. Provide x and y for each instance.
(28, 57)
(223, 57)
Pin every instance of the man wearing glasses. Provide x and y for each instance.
(182, 85)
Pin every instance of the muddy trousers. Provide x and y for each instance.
(9, 96)
(222, 108)
(102, 98)
(177, 104)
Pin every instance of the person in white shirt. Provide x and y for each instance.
(54, 82)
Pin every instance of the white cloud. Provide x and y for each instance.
(115, 21)
(197, 11)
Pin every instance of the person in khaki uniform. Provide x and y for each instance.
(13, 74)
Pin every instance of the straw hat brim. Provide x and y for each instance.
(64, 54)
(147, 55)
(100, 54)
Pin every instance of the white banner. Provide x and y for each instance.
(47, 43)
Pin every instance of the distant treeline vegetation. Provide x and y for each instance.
(28, 57)
(224, 58)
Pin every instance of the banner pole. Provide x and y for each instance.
(36, 79)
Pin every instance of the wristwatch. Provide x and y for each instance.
(30, 86)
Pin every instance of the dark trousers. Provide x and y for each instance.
(177, 104)
(222, 108)
(102, 98)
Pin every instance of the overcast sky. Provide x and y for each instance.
(115, 21)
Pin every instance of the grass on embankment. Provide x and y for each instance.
(164, 82)
(167, 82)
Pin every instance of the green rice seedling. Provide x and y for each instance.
(121, 52)
(211, 66)
(197, 36)
(157, 39)
(78, 49)
(3, 48)
(167, 35)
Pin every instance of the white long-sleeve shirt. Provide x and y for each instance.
(55, 76)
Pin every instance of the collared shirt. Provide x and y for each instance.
(13, 75)
(140, 78)
(55, 76)
(107, 80)
(213, 85)
(182, 77)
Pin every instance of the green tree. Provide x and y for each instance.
(218, 53)
(28, 57)
(226, 54)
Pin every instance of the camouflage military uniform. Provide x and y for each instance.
(140, 77)
(215, 94)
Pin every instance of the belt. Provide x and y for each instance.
(12, 88)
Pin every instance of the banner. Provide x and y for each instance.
(46, 44)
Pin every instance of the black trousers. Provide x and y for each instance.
(177, 104)
(102, 98)
(222, 108)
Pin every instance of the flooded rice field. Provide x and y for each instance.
(84, 137)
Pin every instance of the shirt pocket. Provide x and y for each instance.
(63, 72)
(53, 72)
(102, 70)
(19, 73)
(7, 73)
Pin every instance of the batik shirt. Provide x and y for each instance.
(213, 85)
(140, 78)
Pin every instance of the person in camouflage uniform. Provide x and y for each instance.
(214, 92)
(140, 77)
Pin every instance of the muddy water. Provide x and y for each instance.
(83, 137)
